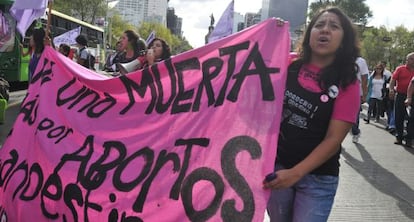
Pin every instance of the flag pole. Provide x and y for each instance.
(49, 19)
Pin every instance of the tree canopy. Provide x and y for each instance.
(356, 10)
(392, 46)
(176, 43)
(85, 10)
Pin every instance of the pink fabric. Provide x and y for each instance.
(347, 104)
(193, 145)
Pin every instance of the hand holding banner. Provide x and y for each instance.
(187, 139)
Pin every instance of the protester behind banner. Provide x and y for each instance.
(64, 49)
(132, 46)
(85, 57)
(113, 58)
(37, 42)
(321, 101)
(134, 49)
(29, 51)
(158, 50)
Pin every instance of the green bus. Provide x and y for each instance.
(13, 66)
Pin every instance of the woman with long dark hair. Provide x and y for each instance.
(132, 46)
(376, 92)
(158, 50)
(37, 42)
(321, 102)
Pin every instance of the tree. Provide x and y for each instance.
(400, 45)
(380, 44)
(85, 10)
(89, 10)
(117, 27)
(356, 10)
(374, 48)
(182, 45)
(176, 43)
(160, 31)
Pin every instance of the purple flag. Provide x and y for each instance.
(224, 26)
(26, 11)
(150, 37)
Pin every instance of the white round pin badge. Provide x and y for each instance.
(333, 91)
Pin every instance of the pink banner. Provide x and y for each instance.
(189, 139)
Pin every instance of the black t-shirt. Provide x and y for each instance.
(305, 120)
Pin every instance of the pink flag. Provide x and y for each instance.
(26, 11)
(224, 26)
(187, 139)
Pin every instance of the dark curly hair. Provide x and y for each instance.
(39, 39)
(82, 40)
(136, 42)
(166, 51)
(343, 70)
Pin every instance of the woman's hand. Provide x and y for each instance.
(280, 21)
(408, 101)
(284, 178)
(150, 57)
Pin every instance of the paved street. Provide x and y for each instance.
(11, 113)
(376, 177)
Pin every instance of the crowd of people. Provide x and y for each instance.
(332, 77)
(388, 97)
(400, 89)
(129, 48)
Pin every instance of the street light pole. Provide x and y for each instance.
(387, 55)
(106, 25)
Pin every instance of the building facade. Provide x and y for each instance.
(138, 11)
(174, 23)
(238, 22)
(294, 11)
(251, 18)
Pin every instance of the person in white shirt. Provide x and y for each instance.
(362, 76)
(376, 92)
(388, 103)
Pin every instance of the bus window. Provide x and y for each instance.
(7, 33)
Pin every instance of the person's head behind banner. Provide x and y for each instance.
(64, 49)
(37, 40)
(134, 49)
(131, 41)
(343, 46)
(160, 48)
(81, 40)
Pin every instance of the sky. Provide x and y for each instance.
(196, 14)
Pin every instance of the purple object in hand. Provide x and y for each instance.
(270, 177)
